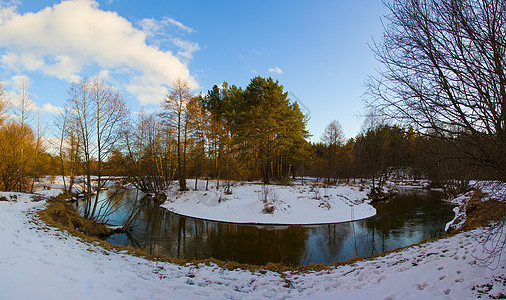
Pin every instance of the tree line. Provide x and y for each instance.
(23, 156)
(230, 133)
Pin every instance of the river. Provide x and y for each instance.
(408, 218)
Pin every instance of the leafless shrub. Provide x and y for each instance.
(269, 198)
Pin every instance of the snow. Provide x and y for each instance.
(493, 190)
(51, 186)
(294, 204)
(39, 262)
(459, 210)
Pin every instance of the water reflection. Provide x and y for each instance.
(411, 216)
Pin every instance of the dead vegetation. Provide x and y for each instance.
(482, 213)
(60, 214)
(270, 199)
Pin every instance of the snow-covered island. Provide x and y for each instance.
(254, 203)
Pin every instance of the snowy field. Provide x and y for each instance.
(37, 262)
(294, 204)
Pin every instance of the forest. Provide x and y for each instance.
(230, 133)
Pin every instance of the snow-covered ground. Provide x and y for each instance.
(293, 204)
(37, 262)
(53, 185)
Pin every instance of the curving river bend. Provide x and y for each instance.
(409, 217)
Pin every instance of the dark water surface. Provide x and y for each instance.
(409, 217)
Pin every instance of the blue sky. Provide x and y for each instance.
(318, 50)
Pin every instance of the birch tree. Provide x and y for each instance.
(333, 137)
(176, 116)
(97, 113)
(25, 105)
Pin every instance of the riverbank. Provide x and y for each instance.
(37, 261)
(254, 203)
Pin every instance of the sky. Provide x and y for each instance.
(320, 51)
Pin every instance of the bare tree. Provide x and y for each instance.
(25, 105)
(333, 137)
(69, 147)
(111, 112)
(198, 119)
(149, 153)
(371, 145)
(16, 138)
(39, 149)
(176, 116)
(445, 74)
(96, 112)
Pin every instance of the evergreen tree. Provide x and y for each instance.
(268, 129)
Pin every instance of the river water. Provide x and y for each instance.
(409, 217)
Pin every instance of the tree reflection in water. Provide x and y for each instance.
(411, 216)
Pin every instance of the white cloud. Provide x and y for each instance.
(180, 25)
(276, 70)
(64, 67)
(152, 26)
(13, 61)
(62, 40)
(186, 48)
(148, 93)
(18, 80)
(52, 144)
(105, 75)
(157, 31)
(49, 108)
(144, 111)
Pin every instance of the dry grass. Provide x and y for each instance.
(60, 214)
(480, 214)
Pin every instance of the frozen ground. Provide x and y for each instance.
(295, 204)
(37, 262)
